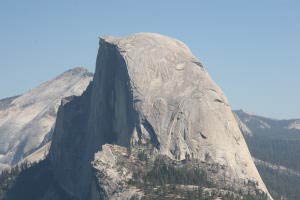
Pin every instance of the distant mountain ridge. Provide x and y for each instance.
(275, 145)
(265, 135)
(26, 120)
(267, 122)
(6, 102)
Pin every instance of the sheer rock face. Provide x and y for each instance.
(148, 89)
(26, 120)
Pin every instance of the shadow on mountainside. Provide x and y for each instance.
(34, 182)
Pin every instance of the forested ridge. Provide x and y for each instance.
(275, 142)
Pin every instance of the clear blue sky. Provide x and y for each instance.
(250, 48)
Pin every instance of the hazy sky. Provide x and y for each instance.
(250, 48)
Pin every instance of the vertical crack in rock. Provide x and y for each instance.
(152, 133)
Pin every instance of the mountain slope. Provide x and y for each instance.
(26, 120)
(276, 146)
(152, 118)
(271, 140)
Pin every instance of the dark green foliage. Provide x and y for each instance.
(277, 151)
(280, 184)
(281, 152)
(258, 196)
(33, 183)
(173, 193)
(163, 173)
(8, 177)
(166, 180)
(276, 144)
(142, 156)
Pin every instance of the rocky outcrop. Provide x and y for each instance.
(114, 168)
(26, 120)
(141, 174)
(149, 91)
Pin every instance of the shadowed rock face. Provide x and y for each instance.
(148, 89)
(26, 120)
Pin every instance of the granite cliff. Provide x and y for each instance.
(151, 108)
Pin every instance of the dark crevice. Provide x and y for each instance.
(198, 63)
(202, 135)
(153, 135)
(219, 101)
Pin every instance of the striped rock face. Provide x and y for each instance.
(148, 89)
